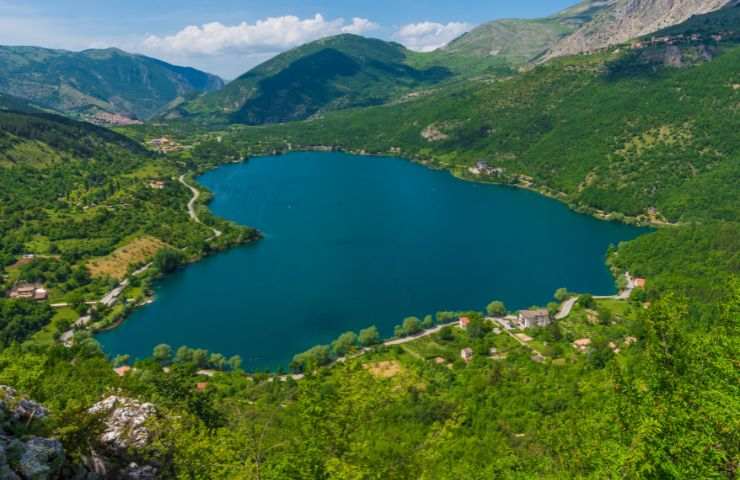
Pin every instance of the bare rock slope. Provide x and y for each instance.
(622, 20)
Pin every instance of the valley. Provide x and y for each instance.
(342, 264)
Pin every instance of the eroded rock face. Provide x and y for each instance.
(622, 20)
(24, 457)
(20, 409)
(126, 432)
(125, 422)
(42, 458)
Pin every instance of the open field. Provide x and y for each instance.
(117, 263)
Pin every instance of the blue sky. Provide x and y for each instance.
(228, 37)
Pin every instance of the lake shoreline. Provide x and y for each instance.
(460, 172)
(210, 196)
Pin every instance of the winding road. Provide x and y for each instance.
(191, 208)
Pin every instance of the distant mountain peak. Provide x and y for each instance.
(98, 83)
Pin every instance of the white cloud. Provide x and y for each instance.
(428, 36)
(270, 35)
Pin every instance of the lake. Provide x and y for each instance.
(353, 241)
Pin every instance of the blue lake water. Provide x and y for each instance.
(354, 241)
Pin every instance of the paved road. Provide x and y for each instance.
(565, 308)
(191, 207)
(425, 333)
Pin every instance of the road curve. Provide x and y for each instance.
(191, 207)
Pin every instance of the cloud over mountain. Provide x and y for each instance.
(428, 36)
(272, 34)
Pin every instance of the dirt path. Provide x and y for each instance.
(191, 207)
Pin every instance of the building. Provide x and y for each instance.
(201, 387)
(640, 282)
(464, 322)
(122, 371)
(466, 354)
(28, 291)
(582, 344)
(157, 184)
(533, 318)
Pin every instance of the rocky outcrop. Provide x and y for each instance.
(622, 20)
(125, 436)
(25, 457)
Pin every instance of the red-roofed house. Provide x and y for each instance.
(201, 387)
(640, 282)
(464, 322)
(122, 371)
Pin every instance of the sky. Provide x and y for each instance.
(228, 37)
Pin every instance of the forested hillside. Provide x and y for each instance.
(92, 82)
(328, 74)
(642, 388)
(621, 131)
(71, 192)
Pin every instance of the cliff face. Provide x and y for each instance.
(622, 20)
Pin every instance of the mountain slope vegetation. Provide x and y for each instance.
(516, 41)
(648, 132)
(93, 81)
(620, 131)
(329, 74)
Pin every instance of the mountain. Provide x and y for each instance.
(621, 131)
(330, 74)
(518, 41)
(587, 26)
(619, 21)
(111, 85)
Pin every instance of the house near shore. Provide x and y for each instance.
(463, 322)
(482, 168)
(466, 354)
(533, 318)
(28, 291)
(640, 282)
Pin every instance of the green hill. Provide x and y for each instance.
(94, 81)
(519, 41)
(622, 131)
(329, 74)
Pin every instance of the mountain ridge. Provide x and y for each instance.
(332, 73)
(95, 81)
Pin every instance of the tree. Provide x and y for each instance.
(200, 357)
(369, 336)
(121, 360)
(554, 333)
(217, 361)
(162, 353)
(476, 327)
(496, 309)
(446, 334)
(344, 344)
(168, 260)
(561, 294)
(605, 315)
(411, 325)
(235, 362)
(311, 359)
(428, 322)
(184, 355)
(586, 301)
